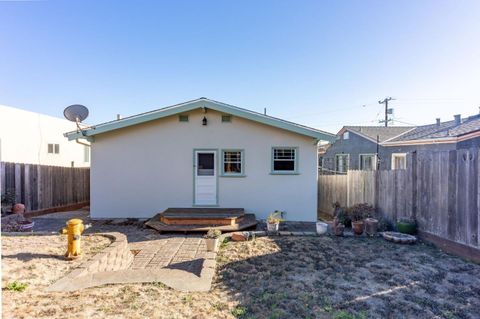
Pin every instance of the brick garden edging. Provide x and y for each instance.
(115, 257)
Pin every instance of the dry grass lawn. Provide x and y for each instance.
(283, 277)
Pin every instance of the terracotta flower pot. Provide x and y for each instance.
(371, 225)
(357, 227)
(338, 230)
(18, 208)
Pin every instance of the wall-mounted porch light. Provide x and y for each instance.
(204, 121)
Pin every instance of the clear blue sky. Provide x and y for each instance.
(313, 62)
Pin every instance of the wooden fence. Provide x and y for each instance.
(439, 189)
(42, 187)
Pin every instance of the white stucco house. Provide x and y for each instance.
(202, 153)
(34, 138)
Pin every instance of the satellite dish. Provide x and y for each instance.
(75, 113)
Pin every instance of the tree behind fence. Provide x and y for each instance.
(42, 187)
(439, 189)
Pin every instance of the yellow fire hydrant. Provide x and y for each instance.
(73, 231)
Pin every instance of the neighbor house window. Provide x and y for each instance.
(341, 163)
(226, 118)
(53, 148)
(320, 161)
(346, 135)
(86, 154)
(399, 160)
(284, 160)
(183, 118)
(233, 163)
(367, 162)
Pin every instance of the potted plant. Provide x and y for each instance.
(23, 224)
(273, 221)
(338, 227)
(211, 239)
(371, 226)
(407, 226)
(357, 221)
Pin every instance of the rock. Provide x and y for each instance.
(240, 236)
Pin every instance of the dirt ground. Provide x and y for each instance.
(282, 277)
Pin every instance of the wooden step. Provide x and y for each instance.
(248, 221)
(202, 216)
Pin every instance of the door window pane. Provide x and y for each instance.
(206, 164)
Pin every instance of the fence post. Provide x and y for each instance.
(413, 176)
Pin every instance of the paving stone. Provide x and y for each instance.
(284, 233)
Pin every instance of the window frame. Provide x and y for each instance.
(226, 118)
(242, 162)
(295, 171)
(402, 155)
(346, 135)
(348, 163)
(183, 118)
(374, 161)
(55, 148)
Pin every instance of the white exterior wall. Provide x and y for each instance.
(144, 169)
(24, 138)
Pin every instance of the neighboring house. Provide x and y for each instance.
(441, 136)
(357, 147)
(33, 138)
(203, 153)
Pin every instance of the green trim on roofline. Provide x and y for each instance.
(202, 103)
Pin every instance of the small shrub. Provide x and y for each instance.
(187, 299)
(16, 286)
(213, 233)
(384, 224)
(275, 217)
(239, 312)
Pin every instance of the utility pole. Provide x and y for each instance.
(387, 111)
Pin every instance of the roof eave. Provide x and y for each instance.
(217, 106)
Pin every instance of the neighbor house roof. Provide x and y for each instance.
(443, 132)
(371, 132)
(195, 104)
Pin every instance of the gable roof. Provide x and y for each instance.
(195, 104)
(371, 132)
(447, 132)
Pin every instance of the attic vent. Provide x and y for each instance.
(226, 118)
(183, 118)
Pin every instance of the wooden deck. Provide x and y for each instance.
(202, 219)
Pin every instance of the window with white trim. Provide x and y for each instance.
(367, 162)
(346, 135)
(399, 160)
(232, 162)
(284, 159)
(342, 163)
(53, 149)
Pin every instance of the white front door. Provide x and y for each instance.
(205, 175)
